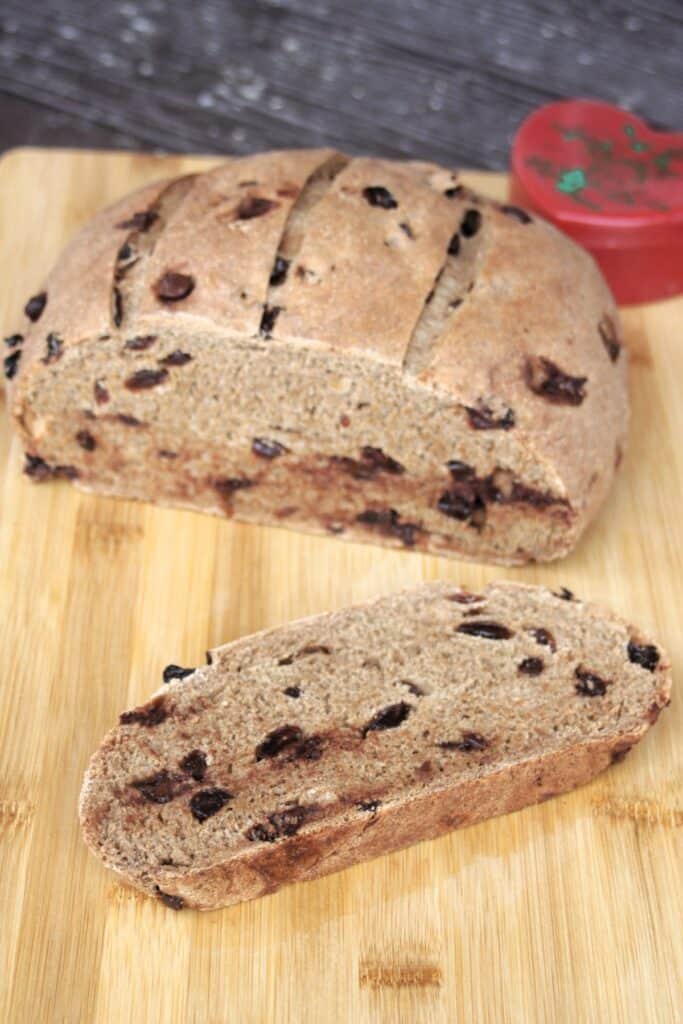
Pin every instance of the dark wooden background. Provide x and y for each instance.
(444, 80)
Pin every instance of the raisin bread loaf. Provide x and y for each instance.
(356, 346)
(304, 749)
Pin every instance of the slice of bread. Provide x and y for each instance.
(307, 748)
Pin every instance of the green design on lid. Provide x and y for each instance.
(571, 181)
(663, 159)
(636, 145)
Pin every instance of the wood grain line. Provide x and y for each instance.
(411, 974)
(642, 810)
(420, 78)
(14, 815)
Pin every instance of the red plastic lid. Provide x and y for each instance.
(612, 183)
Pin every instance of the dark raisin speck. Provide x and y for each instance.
(143, 379)
(270, 315)
(544, 637)
(141, 221)
(254, 206)
(140, 342)
(645, 655)
(37, 468)
(260, 834)
(406, 229)
(471, 223)
(454, 192)
(288, 821)
(292, 691)
(470, 741)
(150, 714)
(128, 420)
(483, 418)
(176, 358)
(389, 717)
(590, 684)
(54, 345)
(158, 788)
(278, 740)
(454, 245)
(194, 764)
(388, 521)
(516, 211)
(531, 666)
(169, 900)
(13, 340)
(117, 307)
(86, 440)
(485, 629)
(458, 505)
(607, 330)
(35, 306)
(564, 593)
(100, 393)
(459, 470)
(378, 195)
(125, 252)
(11, 364)
(172, 672)
(377, 458)
(267, 449)
(310, 749)
(279, 271)
(546, 379)
(227, 485)
(620, 752)
(369, 806)
(173, 286)
(208, 802)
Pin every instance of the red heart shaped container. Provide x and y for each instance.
(614, 184)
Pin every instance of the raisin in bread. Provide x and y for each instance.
(356, 346)
(304, 749)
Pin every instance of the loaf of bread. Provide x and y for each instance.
(356, 346)
(305, 749)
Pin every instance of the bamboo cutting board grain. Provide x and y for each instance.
(570, 911)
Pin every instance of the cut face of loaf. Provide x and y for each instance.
(305, 749)
(356, 346)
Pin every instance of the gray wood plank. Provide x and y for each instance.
(429, 78)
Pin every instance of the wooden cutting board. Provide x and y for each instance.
(570, 911)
